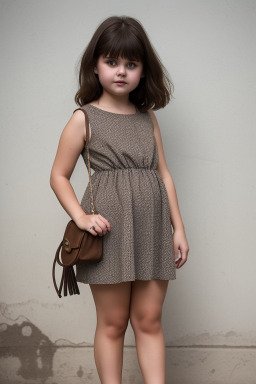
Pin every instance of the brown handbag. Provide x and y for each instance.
(77, 246)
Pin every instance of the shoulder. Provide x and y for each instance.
(153, 119)
(151, 114)
(77, 123)
(75, 127)
(78, 117)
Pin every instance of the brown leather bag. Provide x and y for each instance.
(77, 246)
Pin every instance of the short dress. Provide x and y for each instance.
(130, 193)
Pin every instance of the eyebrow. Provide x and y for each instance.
(116, 58)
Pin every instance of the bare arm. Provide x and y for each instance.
(71, 144)
(180, 241)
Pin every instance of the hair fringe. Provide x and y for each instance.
(125, 37)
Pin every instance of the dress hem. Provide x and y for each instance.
(128, 280)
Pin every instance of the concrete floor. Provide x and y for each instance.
(75, 365)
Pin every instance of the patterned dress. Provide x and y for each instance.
(130, 193)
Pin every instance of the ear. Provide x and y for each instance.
(96, 70)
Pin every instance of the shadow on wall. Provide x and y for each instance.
(34, 350)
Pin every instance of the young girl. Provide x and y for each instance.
(121, 81)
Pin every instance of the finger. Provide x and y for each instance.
(93, 231)
(103, 227)
(105, 221)
(102, 224)
(182, 260)
(180, 263)
(100, 228)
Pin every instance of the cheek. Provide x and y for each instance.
(137, 76)
(104, 75)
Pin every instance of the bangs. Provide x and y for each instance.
(123, 43)
(124, 37)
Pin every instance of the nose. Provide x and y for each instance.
(121, 70)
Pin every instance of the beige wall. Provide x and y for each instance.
(209, 139)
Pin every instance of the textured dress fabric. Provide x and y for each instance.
(130, 193)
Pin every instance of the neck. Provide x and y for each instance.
(112, 103)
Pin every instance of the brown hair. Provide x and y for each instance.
(125, 37)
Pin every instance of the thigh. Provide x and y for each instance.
(147, 298)
(112, 301)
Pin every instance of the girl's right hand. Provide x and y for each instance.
(100, 224)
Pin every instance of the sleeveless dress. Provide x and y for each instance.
(130, 193)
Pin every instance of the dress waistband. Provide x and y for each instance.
(125, 169)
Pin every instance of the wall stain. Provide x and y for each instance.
(34, 350)
(80, 372)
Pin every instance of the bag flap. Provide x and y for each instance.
(73, 237)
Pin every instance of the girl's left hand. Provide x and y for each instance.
(180, 246)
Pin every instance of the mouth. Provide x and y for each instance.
(120, 82)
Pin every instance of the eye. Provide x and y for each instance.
(131, 65)
(111, 63)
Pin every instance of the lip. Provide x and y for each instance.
(120, 82)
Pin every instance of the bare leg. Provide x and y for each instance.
(147, 299)
(112, 303)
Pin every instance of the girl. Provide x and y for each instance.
(121, 81)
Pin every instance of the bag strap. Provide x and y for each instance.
(68, 279)
(58, 290)
(88, 155)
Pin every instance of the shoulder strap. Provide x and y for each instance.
(88, 155)
(86, 125)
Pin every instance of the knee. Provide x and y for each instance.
(147, 321)
(115, 326)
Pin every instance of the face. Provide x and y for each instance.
(118, 76)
